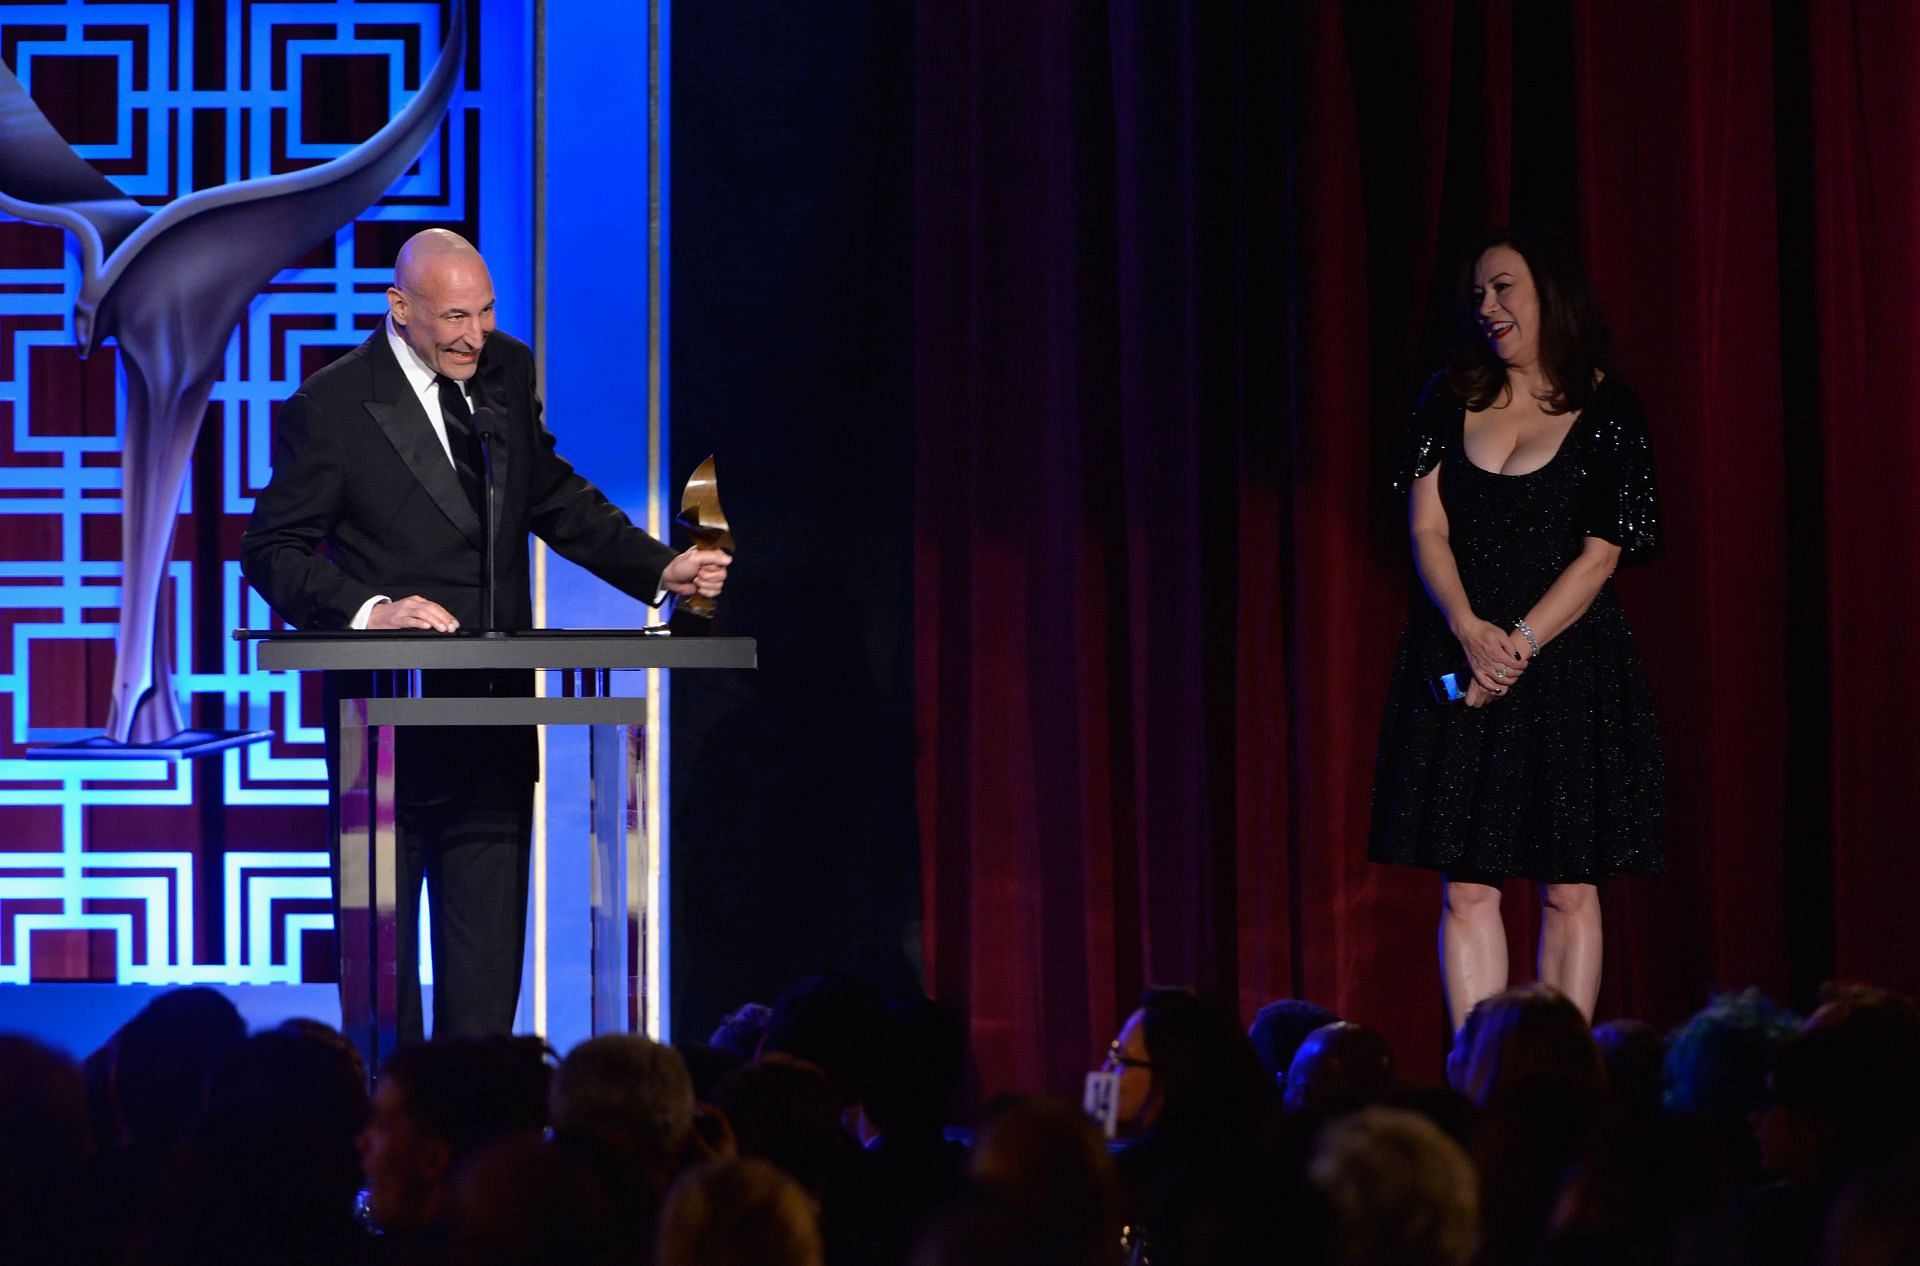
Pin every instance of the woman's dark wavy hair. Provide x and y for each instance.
(1203, 1065)
(1573, 333)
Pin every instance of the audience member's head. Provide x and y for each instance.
(1339, 1065)
(1528, 1059)
(1832, 1105)
(1716, 1066)
(1137, 1104)
(1397, 1189)
(327, 1035)
(45, 1145)
(162, 1059)
(524, 1201)
(785, 1111)
(1278, 1029)
(437, 1104)
(915, 1086)
(834, 1023)
(1525, 1036)
(741, 1033)
(293, 1102)
(624, 1108)
(630, 1088)
(1045, 1166)
(1886, 1030)
(1634, 1053)
(1842, 1000)
(739, 1213)
(273, 1175)
(1186, 1068)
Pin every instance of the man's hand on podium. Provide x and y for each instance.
(698, 571)
(412, 613)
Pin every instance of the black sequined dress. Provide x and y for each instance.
(1560, 780)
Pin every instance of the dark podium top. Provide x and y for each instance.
(538, 648)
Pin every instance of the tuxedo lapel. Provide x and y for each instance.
(398, 411)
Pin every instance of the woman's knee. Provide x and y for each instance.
(1576, 900)
(1464, 898)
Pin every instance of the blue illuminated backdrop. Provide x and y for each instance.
(161, 871)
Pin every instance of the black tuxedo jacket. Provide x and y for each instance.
(357, 468)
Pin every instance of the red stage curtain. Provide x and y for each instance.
(1866, 253)
(1676, 186)
(1179, 272)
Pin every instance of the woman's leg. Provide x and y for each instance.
(1473, 946)
(1570, 942)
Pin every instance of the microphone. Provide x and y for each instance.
(487, 426)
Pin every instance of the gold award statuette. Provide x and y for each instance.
(706, 523)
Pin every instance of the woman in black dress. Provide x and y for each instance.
(1530, 480)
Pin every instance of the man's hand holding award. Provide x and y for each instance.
(698, 575)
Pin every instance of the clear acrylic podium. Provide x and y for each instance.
(368, 896)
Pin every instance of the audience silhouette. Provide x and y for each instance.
(832, 1129)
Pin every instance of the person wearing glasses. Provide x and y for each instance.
(1196, 1116)
(1137, 1108)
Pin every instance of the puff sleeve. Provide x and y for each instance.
(1620, 502)
(1436, 411)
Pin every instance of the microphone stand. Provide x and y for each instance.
(486, 527)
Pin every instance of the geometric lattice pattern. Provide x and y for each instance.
(162, 871)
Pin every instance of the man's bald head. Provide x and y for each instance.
(1340, 1062)
(426, 250)
(441, 301)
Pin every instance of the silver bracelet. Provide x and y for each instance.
(1520, 627)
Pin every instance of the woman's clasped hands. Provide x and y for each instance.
(1497, 659)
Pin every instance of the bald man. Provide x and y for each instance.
(1339, 1063)
(376, 458)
